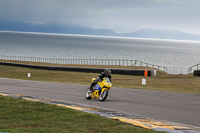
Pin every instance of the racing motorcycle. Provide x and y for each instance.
(100, 90)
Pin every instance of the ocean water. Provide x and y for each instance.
(178, 56)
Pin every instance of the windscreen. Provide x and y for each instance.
(107, 79)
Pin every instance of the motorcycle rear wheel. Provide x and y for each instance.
(103, 95)
(87, 94)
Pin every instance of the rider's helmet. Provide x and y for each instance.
(107, 72)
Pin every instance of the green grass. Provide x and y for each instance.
(162, 82)
(21, 116)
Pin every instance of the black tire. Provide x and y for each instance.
(87, 94)
(103, 95)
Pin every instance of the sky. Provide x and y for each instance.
(118, 15)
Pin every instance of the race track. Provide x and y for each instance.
(176, 107)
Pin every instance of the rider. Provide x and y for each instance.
(106, 73)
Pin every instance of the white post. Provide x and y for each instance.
(144, 81)
(29, 75)
(154, 73)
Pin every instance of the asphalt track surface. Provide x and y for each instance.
(171, 106)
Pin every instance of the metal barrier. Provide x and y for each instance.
(106, 62)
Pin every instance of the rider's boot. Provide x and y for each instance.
(92, 85)
(91, 88)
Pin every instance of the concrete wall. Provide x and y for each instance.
(88, 70)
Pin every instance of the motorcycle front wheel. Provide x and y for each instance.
(87, 94)
(103, 95)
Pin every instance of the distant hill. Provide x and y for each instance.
(86, 30)
(161, 34)
(53, 28)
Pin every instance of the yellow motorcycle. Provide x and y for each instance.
(100, 89)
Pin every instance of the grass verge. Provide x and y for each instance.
(20, 116)
(162, 82)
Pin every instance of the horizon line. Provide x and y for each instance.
(100, 36)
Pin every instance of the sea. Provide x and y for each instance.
(176, 55)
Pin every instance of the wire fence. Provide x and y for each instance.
(106, 62)
(192, 68)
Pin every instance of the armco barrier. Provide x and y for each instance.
(136, 72)
(197, 73)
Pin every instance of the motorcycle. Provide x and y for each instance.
(100, 90)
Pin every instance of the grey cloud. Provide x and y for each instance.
(114, 14)
(48, 8)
